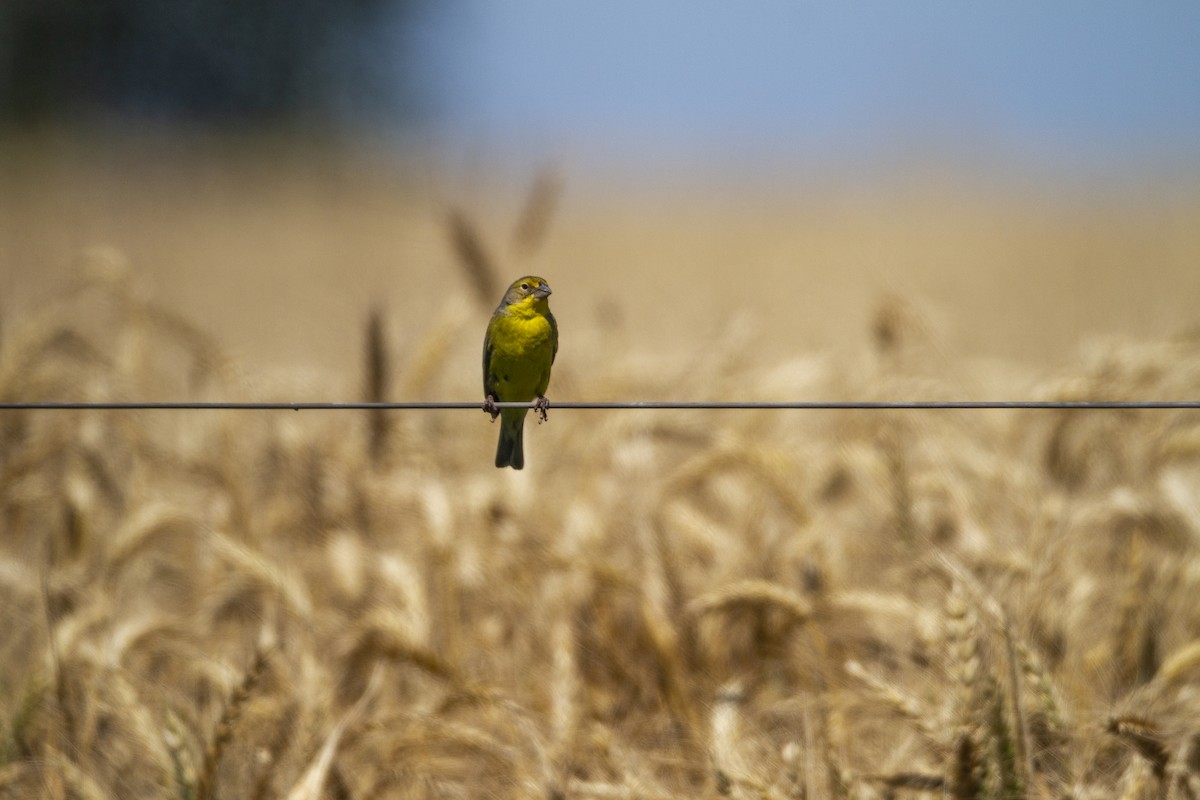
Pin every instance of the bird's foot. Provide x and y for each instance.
(489, 406)
(540, 406)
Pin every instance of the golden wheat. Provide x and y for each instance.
(762, 605)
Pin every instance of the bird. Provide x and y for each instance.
(518, 351)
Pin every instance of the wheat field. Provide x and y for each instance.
(753, 604)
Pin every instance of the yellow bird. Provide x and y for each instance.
(518, 350)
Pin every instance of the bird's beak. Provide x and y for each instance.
(542, 291)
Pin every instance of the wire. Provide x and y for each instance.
(851, 405)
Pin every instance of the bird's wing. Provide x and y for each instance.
(553, 335)
(487, 360)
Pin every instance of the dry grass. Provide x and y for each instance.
(664, 605)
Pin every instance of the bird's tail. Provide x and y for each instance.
(510, 452)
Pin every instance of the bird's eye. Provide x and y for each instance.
(525, 286)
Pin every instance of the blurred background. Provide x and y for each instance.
(308, 200)
(1023, 175)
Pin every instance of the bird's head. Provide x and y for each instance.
(526, 291)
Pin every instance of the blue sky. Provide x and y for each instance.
(1071, 82)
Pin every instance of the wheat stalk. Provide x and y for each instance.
(377, 382)
(472, 257)
(223, 733)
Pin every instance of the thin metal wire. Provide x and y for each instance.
(850, 405)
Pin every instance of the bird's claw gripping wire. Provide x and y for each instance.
(489, 406)
(540, 406)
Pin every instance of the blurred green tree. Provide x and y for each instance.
(274, 61)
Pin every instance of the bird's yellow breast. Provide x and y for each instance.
(522, 350)
(517, 336)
